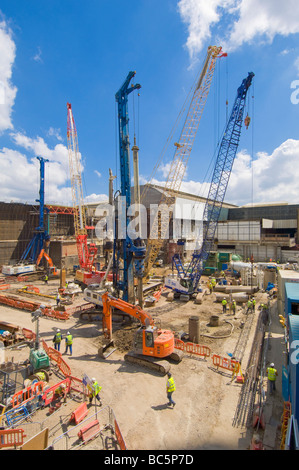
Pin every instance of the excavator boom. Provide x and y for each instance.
(150, 344)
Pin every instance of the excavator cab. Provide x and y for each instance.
(144, 341)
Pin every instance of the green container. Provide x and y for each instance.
(39, 359)
(224, 257)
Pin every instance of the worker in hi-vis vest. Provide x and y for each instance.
(69, 343)
(272, 374)
(57, 340)
(94, 390)
(170, 388)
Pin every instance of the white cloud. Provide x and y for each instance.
(267, 178)
(38, 56)
(98, 173)
(234, 22)
(200, 16)
(55, 133)
(7, 90)
(20, 175)
(264, 20)
(93, 198)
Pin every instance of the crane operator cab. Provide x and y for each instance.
(186, 282)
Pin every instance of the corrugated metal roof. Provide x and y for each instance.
(292, 290)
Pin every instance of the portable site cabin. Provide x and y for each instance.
(291, 304)
(293, 381)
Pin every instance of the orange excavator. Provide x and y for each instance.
(51, 268)
(151, 345)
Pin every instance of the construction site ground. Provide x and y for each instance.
(206, 397)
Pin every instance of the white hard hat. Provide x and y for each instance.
(272, 364)
(93, 379)
(58, 329)
(68, 333)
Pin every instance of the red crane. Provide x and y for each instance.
(86, 252)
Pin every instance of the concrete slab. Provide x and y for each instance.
(270, 436)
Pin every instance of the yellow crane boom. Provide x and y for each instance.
(178, 165)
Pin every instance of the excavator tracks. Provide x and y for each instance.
(177, 355)
(97, 315)
(160, 366)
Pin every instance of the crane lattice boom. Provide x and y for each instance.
(222, 171)
(86, 253)
(182, 153)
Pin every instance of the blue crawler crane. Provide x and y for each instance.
(187, 281)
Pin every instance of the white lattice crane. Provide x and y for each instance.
(181, 156)
(86, 253)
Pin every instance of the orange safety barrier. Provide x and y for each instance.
(224, 363)
(28, 334)
(4, 286)
(48, 394)
(89, 431)
(57, 357)
(32, 306)
(11, 437)
(57, 314)
(192, 348)
(198, 349)
(27, 394)
(179, 344)
(80, 413)
(119, 436)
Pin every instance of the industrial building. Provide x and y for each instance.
(266, 231)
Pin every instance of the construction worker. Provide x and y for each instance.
(170, 388)
(59, 394)
(95, 391)
(253, 304)
(249, 306)
(68, 343)
(46, 279)
(213, 282)
(233, 307)
(60, 391)
(57, 299)
(57, 340)
(224, 304)
(272, 374)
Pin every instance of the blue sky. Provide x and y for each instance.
(54, 52)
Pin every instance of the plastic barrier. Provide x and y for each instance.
(16, 414)
(224, 363)
(179, 344)
(89, 431)
(4, 286)
(28, 334)
(48, 394)
(80, 413)
(198, 349)
(57, 357)
(32, 306)
(27, 394)
(192, 348)
(119, 436)
(11, 437)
